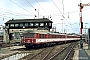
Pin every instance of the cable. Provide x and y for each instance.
(20, 7)
(33, 7)
(28, 3)
(62, 14)
(40, 6)
(12, 12)
(56, 7)
(9, 13)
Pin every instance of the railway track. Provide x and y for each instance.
(34, 53)
(64, 54)
(46, 53)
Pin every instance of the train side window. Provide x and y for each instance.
(53, 36)
(36, 35)
(42, 35)
(45, 35)
(49, 36)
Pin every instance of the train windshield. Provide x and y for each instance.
(25, 35)
(31, 35)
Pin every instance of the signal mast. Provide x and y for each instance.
(81, 23)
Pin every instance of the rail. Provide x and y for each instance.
(62, 51)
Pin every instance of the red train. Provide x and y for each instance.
(35, 38)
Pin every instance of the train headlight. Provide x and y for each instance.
(22, 37)
(32, 40)
(28, 40)
(24, 40)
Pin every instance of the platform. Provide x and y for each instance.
(82, 53)
(6, 52)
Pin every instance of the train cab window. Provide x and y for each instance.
(25, 35)
(31, 35)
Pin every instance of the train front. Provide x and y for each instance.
(28, 39)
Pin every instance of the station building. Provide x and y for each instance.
(15, 27)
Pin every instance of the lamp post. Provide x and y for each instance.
(62, 25)
(66, 29)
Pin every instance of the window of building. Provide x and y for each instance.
(17, 36)
(31, 24)
(49, 24)
(46, 24)
(11, 25)
(16, 25)
(41, 24)
(26, 24)
(36, 24)
(21, 24)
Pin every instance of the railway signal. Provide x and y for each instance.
(81, 7)
(81, 23)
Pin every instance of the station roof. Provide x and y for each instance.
(28, 20)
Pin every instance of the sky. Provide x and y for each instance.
(56, 9)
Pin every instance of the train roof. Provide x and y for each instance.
(40, 32)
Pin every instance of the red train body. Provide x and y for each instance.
(35, 39)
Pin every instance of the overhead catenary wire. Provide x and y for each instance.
(20, 6)
(41, 6)
(57, 7)
(10, 13)
(29, 3)
(37, 10)
(13, 13)
(62, 14)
